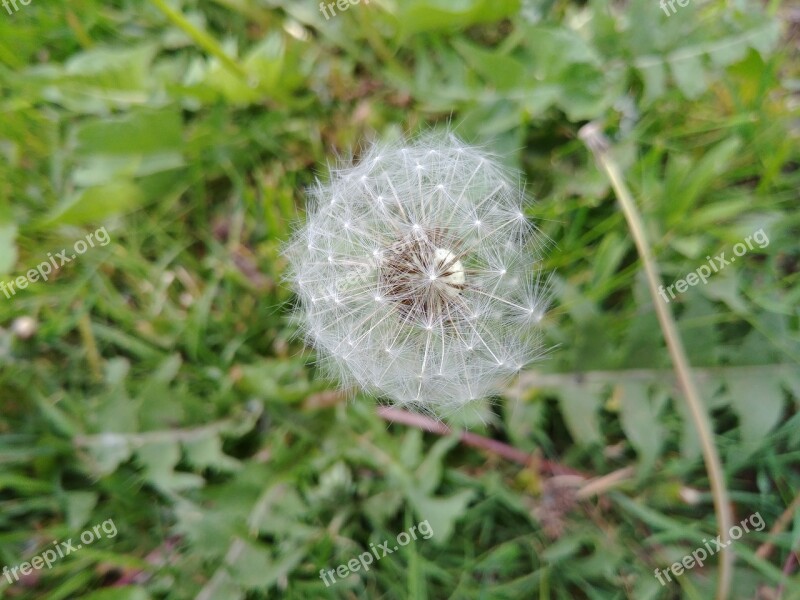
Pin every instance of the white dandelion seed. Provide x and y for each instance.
(415, 274)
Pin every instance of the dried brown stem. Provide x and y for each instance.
(395, 415)
(765, 549)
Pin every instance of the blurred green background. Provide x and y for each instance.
(155, 380)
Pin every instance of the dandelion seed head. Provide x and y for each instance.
(413, 274)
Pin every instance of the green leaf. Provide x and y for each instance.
(78, 508)
(109, 450)
(724, 287)
(609, 255)
(765, 38)
(159, 460)
(501, 71)
(429, 473)
(564, 67)
(99, 79)
(567, 548)
(540, 97)
(98, 203)
(441, 512)
(208, 531)
(206, 453)
(688, 72)
(416, 16)
(383, 505)
(654, 75)
(579, 405)
(144, 131)
(703, 174)
(759, 404)
(522, 419)
(639, 415)
(255, 567)
(8, 247)
(411, 449)
(118, 593)
(274, 67)
(554, 50)
(276, 380)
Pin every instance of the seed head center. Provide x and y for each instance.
(424, 276)
(449, 271)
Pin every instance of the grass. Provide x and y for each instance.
(156, 380)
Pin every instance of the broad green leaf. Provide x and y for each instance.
(276, 381)
(579, 405)
(723, 55)
(566, 548)
(429, 473)
(554, 50)
(654, 76)
(206, 453)
(78, 508)
(204, 528)
(108, 451)
(639, 415)
(501, 71)
(8, 247)
(118, 593)
(159, 460)
(540, 97)
(383, 505)
(759, 404)
(765, 38)
(704, 174)
(95, 204)
(98, 80)
(724, 287)
(441, 512)
(255, 567)
(701, 337)
(144, 131)
(522, 418)
(272, 68)
(411, 449)
(609, 255)
(689, 74)
(416, 16)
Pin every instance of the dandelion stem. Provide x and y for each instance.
(599, 146)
